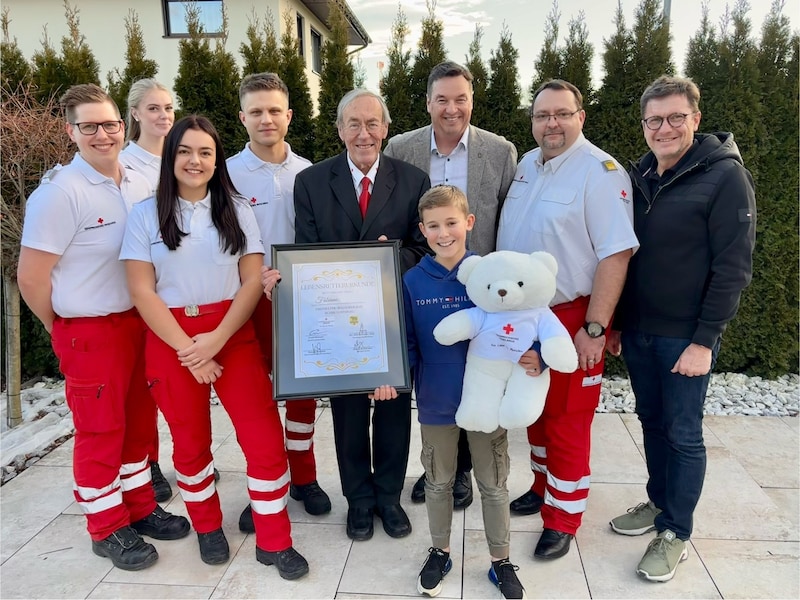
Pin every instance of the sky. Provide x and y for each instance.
(525, 20)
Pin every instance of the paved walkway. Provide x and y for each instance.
(745, 543)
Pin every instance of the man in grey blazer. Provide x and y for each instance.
(479, 163)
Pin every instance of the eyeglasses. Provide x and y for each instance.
(355, 126)
(560, 116)
(91, 128)
(675, 120)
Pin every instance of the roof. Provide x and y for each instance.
(356, 34)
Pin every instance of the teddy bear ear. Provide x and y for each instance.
(548, 260)
(467, 265)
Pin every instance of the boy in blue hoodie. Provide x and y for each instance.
(431, 292)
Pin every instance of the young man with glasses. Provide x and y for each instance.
(71, 278)
(573, 200)
(694, 212)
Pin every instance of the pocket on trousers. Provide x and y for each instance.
(94, 406)
(502, 463)
(426, 458)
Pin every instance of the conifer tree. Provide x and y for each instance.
(577, 56)
(509, 119)
(47, 73)
(80, 65)
(481, 114)
(548, 65)
(701, 53)
(394, 85)
(137, 65)
(337, 79)
(293, 72)
(15, 71)
(430, 52)
(208, 81)
(359, 72)
(261, 53)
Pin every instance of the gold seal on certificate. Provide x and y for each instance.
(338, 320)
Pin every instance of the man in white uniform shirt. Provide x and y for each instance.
(70, 277)
(264, 173)
(573, 200)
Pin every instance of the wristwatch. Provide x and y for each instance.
(594, 329)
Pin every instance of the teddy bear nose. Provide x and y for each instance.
(501, 293)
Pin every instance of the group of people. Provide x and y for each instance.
(150, 268)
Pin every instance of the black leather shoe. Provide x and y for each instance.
(161, 487)
(315, 500)
(214, 548)
(529, 503)
(246, 524)
(395, 520)
(462, 490)
(126, 549)
(418, 491)
(552, 544)
(161, 525)
(359, 524)
(290, 563)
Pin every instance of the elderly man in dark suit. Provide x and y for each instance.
(362, 194)
(479, 163)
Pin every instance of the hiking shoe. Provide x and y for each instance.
(213, 547)
(437, 565)
(246, 524)
(504, 575)
(637, 521)
(161, 488)
(290, 563)
(662, 557)
(126, 549)
(315, 500)
(162, 525)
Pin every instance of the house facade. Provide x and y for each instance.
(102, 23)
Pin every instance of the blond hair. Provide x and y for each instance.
(443, 195)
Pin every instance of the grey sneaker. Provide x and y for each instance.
(662, 556)
(637, 521)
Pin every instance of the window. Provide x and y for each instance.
(209, 12)
(301, 35)
(316, 51)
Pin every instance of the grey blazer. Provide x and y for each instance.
(491, 164)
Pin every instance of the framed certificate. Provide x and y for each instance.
(338, 324)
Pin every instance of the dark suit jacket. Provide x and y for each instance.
(326, 206)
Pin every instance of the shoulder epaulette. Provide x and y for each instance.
(51, 173)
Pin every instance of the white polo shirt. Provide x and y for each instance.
(80, 215)
(576, 206)
(451, 169)
(134, 157)
(198, 271)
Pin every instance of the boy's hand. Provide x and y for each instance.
(385, 392)
(530, 362)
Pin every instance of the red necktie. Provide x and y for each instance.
(363, 199)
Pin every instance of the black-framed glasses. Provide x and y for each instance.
(560, 116)
(91, 128)
(675, 120)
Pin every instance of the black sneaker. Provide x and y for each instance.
(315, 500)
(161, 488)
(126, 549)
(213, 547)
(161, 525)
(437, 565)
(246, 524)
(504, 575)
(290, 563)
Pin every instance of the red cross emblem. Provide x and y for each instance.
(508, 328)
(100, 220)
(624, 194)
(253, 200)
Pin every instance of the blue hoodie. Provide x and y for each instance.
(431, 292)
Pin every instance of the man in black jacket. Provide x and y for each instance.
(694, 215)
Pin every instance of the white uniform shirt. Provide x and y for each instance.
(80, 215)
(198, 271)
(269, 188)
(133, 156)
(452, 168)
(576, 206)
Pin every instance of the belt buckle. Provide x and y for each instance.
(192, 310)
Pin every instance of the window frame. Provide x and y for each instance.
(165, 13)
(316, 51)
(301, 35)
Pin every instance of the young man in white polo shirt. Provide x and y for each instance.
(264, 173)
(70, 276)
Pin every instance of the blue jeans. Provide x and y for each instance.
(670, 408)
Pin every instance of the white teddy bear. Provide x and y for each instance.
(512, 292)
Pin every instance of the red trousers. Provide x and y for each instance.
(561, 439)
(246, 394)
(300, 414)
(102, 360)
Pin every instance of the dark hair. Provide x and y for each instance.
(447, 68)
(559, 84)
(262, 82)
(223, 192)
(668, 85)
(84, 93)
